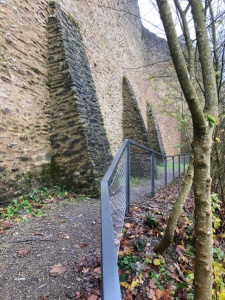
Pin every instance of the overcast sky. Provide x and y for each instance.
(151, 19)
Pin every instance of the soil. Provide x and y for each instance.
(67, 237)
(29, 250)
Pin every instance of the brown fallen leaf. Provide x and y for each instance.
(175, 277)
(97, 270)
(24, 251)
(150, 293)
(26, 216)
(127, 225)
(2, 231)
(163, 295)
(7, 224)
(64, 236)
(83, 245)
(93, 297)
(152, 284)
(48, 200)
(85, 270)
(57, 270)
(36, 233)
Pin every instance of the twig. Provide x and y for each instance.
(31, 240)
(189, 255)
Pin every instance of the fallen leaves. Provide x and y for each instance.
(64, 236)
(24, 251)
(7, 224)
(143, 273)
(163, 295)
(93, 297)
(156, 262)
(83, 245)
(37, 233)
(57, 270)
(127, 225)
(4, 225)
(90, 272)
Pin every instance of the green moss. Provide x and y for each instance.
(51, 173)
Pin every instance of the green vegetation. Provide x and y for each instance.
(134, 181)
(151, 221)
(161, 167)
(20, 206)
(32, 204)
(172, 275)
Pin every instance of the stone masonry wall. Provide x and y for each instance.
(39, 131)
(78, 136)
(133, 124)
(24, 126)
(154, 131)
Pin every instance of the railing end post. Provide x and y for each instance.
(128, 178)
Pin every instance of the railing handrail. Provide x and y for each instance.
(110, 276)
(110, 284)
(114, 162)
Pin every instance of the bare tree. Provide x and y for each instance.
(204, 112)
(216, 11)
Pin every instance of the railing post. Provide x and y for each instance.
(165, 169)
(128, 178)
(173, 168)
(109, 268)
(184, 163)
(153, 173)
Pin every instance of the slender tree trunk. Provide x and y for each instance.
(174, 217)
(203, 117)
(202, 145)
(203, 218)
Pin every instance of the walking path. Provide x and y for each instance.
(69, 231)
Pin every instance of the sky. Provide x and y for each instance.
(151, 19)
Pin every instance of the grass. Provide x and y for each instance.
(161, 167)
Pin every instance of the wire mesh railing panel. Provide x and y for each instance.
(176, 167)
(140, 173)
(159, 172)
(184, 162)
(134, 173)
(117, 192)
(169, 169)
(187, 160)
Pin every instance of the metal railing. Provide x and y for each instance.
(135, 172)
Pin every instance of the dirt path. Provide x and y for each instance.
(67, 232)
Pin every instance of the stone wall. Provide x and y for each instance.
(154, 130)
(133, 123)
(24, 96)
(78, 136)
(62, 89)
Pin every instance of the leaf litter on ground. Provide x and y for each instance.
(57, 270)
(143, 273)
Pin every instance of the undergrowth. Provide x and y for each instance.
(32, 204)
(146, 275)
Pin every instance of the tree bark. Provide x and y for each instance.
(203, 117)
(202, 145)
(178, 205)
